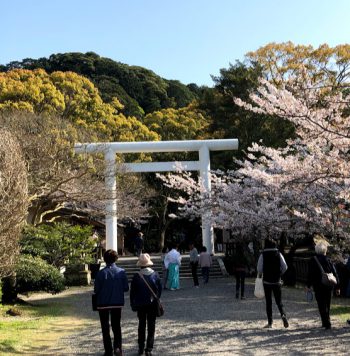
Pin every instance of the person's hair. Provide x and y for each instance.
(172, 246)
(204, 249)
(269, 243)
(321, 248)
(140, 234)
(110, 256)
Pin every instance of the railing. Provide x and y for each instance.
(301, 268)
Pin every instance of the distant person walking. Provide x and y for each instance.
(205, 263)
(165, 250)
(323, 293)
(194, 260)
(172, 263)
(110, 285)
(139, 243)
(143, 302)
(271, 265)
(240, 266)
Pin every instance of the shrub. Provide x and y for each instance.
(59, 243)
(34, 274)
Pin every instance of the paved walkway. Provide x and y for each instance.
(210, 321)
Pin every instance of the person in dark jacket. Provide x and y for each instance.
(110, 284)
(240, 266)
(323, 293)
(139, 243)
(271, 265)
(143, 302)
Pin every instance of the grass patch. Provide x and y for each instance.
(39, 326)
(341, 311)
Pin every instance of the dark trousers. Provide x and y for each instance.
(138, 252)
(276, 290)
(240, 279)
(194, 267)
(117, 332)
(205, 274)
(323, 297)
(146, 314)
(164, 277)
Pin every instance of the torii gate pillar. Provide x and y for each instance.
(203, 166)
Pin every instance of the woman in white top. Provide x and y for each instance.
(172, 263)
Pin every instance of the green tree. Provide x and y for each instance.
(230, 121)
(180, 94)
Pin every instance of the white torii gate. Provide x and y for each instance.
(110, 149)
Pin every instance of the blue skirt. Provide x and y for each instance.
(173, 276)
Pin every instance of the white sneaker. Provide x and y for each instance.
(268, 326)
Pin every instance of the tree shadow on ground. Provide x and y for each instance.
(209, 320)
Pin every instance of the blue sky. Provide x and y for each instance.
(186, 40)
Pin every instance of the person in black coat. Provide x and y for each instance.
(139, 243)
(240, 266)
(144, 303)
(323, 293)
(271, 266)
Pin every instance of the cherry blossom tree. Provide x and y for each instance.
(300, 189)
(312, 172)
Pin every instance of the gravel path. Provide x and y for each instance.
(210, 321)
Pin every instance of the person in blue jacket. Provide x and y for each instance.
(144, 302)
(110, 285)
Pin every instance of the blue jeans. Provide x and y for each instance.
(205, 274)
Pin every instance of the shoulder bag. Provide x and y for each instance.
(327, 279)
(160, 308)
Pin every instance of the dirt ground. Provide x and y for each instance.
(210, 321)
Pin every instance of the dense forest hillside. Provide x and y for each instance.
(140, 90)
(168, 108)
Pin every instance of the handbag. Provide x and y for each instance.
(159, 305)
(259, 288)
(94, 301)
(309, 296)
(327, 279)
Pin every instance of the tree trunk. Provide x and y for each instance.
(9, 293)
(162, 238)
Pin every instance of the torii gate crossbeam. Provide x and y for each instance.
(203, 165)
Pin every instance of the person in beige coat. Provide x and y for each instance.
(205, 263)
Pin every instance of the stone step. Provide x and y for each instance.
(129, 264)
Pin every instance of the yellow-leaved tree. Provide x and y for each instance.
(48, 113)
(187, 123)
(325, 64)
(71, 97)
